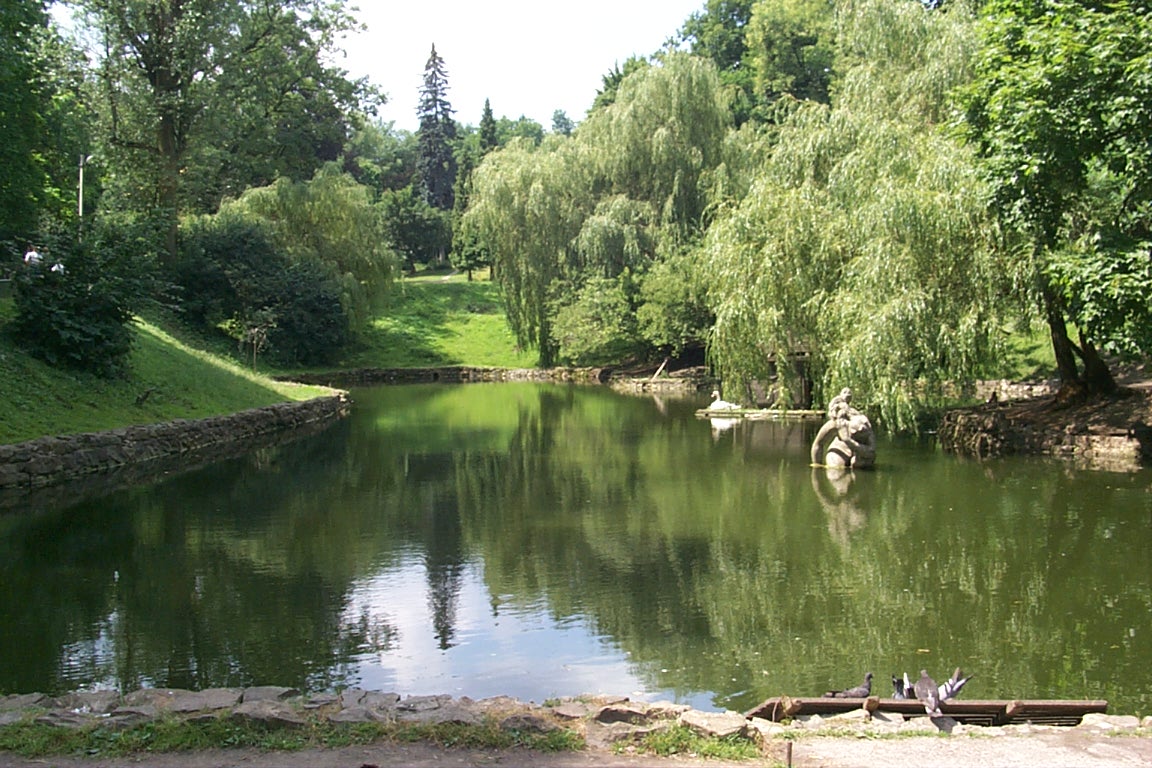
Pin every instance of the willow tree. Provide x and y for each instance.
(331, 221)
(528, 203)
(864, 242)
(628, 187)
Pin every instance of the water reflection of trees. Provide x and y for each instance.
(227, 577)
(732, 573)
(719, 566)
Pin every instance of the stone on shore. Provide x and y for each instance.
(721, 725)
(95, 702)
(268, 713)
(20, 701)
(1109, 722)
(208, 700)
(269, 693)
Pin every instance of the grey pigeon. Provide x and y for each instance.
(928, 693)
(951, 687)
(859, 692)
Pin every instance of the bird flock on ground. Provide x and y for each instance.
(925, 690)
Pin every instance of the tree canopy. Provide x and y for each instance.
(24, 98)
(1059, 110)
(205, 99)
(606, 202)
(864, 243)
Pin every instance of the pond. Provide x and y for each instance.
(545, 540)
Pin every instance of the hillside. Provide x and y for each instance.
(428, 321)
(440, 320)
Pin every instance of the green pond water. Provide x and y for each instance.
(542, 540)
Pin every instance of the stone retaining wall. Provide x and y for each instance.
(48, 461)
(986, 431)
(448, 375)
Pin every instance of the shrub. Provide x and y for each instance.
(598, 326)
(231, 277)
(74, 309)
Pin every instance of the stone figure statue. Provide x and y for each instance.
(846, 439)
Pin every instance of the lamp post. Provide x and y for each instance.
(80, 198)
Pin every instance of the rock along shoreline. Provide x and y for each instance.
(603, 721)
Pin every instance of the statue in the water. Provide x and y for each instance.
(846, 439)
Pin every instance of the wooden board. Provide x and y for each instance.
(756, 414)
(973, 711)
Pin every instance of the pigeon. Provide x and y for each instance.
(902, 688)
(859, 692)
(928, 693)
(951, 687)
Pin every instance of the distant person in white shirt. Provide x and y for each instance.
(31, 256)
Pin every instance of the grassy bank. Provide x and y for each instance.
(168, 379)
(171, 735)
(438, 320)
(428, 321)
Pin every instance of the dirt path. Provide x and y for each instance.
(1071, 748)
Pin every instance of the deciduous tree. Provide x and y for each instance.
(1060, 111)
(204, 99)
(634, 180)
(24, 98)
(864, 242)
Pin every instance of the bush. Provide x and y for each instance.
(598, 326)
(311, 325)
(232, 278)
(74, 309)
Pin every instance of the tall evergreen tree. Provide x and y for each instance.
(436, 163)
(489, 138)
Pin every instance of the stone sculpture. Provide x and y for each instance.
(846, 440)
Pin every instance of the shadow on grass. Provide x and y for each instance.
(420, 317)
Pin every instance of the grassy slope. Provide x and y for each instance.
(429, 321)
(437, 320)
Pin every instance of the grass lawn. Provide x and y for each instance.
(431, 320)
(167, 380)
(438, 320)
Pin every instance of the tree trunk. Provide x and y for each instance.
(1097, 377)
(1061, 345)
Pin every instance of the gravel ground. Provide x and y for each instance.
(1066, 748)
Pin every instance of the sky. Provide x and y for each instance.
(528, 57)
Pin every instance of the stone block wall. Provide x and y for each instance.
(50, 460)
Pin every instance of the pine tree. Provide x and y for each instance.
(489, 139)
(436, 163)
